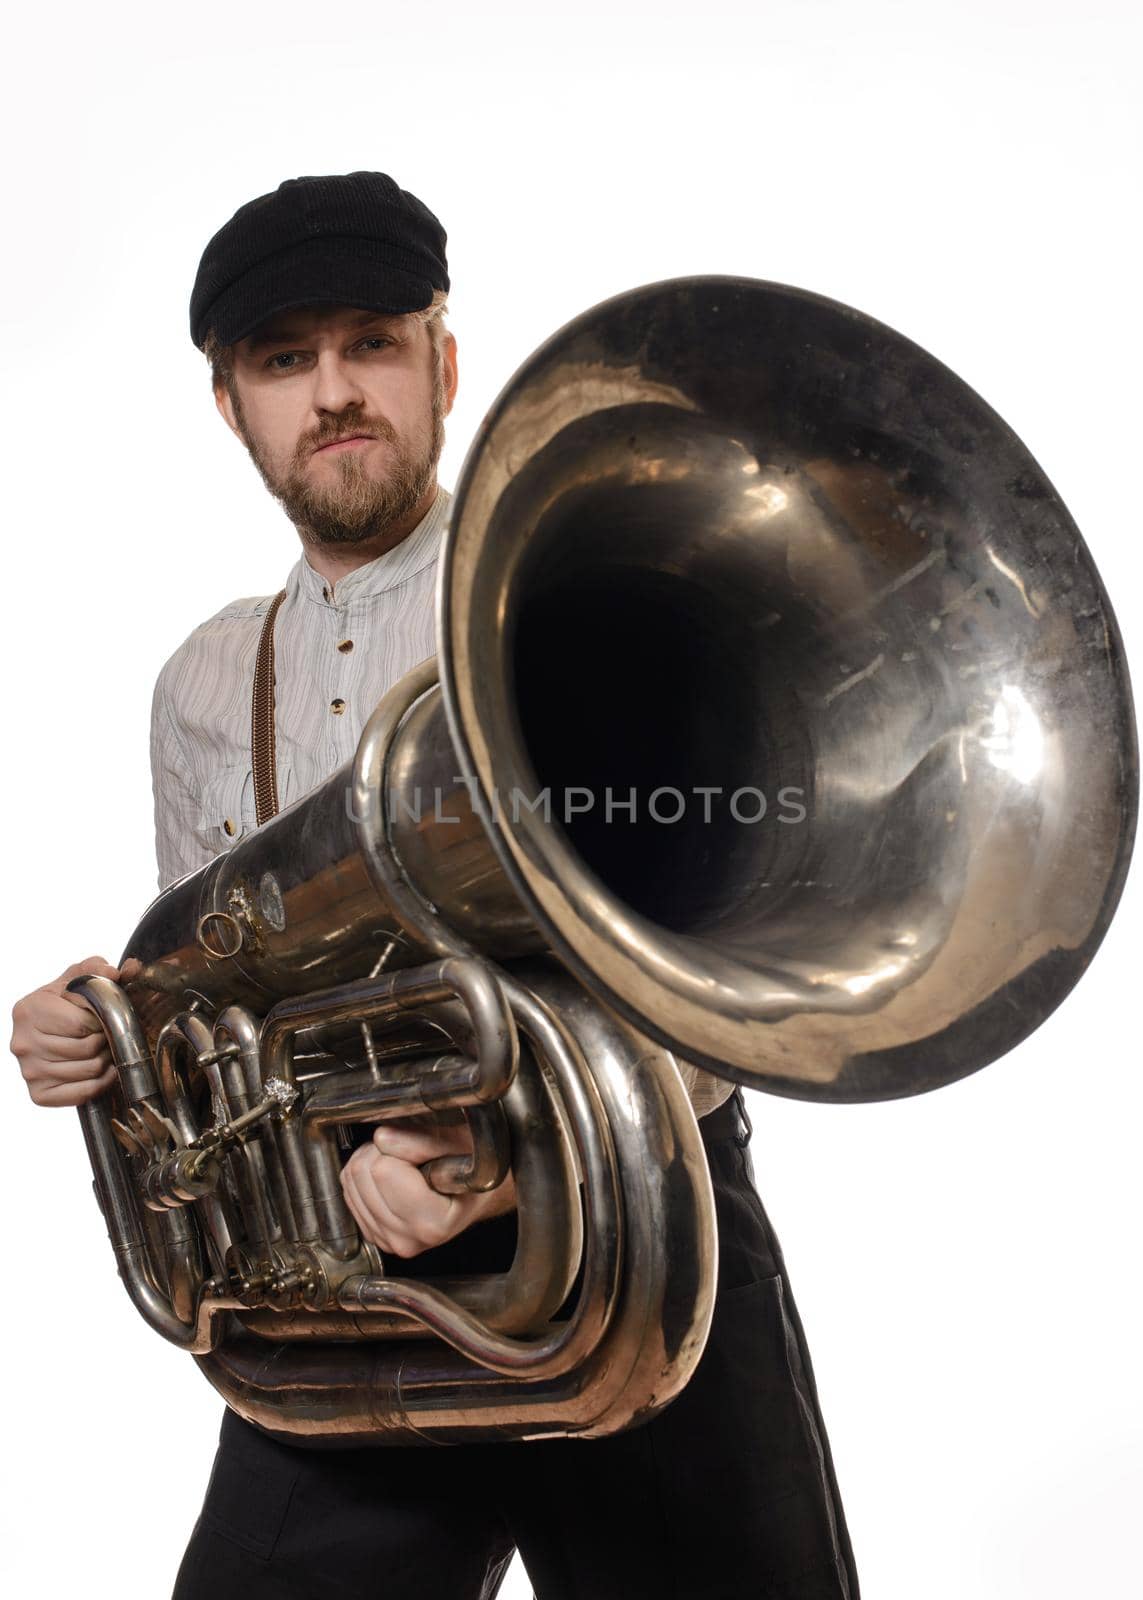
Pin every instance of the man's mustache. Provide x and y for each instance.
(333, 429)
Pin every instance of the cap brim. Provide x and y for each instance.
(351, 272)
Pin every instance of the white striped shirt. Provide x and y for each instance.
(336, 652)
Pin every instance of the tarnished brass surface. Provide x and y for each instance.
(718, 540)
(299, 1275)
(734, 535)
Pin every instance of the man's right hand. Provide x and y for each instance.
(59, 1043)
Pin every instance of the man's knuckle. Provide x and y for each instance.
(432, 1233)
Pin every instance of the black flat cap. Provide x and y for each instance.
(354, 239)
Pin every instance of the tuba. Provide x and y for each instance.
(782, 729)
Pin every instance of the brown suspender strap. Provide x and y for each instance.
(262, 721)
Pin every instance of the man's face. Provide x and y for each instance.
(342, 411)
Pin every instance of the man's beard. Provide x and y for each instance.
(355, 507)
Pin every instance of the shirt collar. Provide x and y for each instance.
(396, 566)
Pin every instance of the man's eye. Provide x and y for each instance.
(375, 341)
(283, 361)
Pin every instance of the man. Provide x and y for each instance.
(320, 307)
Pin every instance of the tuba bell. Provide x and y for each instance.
(783, 732)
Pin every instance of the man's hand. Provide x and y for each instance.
(57, 1039)
(390, 1197)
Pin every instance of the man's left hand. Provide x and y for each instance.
(391, 1199)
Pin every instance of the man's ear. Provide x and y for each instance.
(225, 403)
(448, 362)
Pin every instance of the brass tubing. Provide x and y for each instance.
(548, 1247)
(486, 1167)
(549, 1234)
(418, 1390)
(246, 1163)
(408, 991)
(125, 1036)
(198, 1335)
(563, 1347)
(354, 1097)
(184, 1032)
(129, 1051)
(183, 1258)
(237, 1024)
(479, 1080)
(189, 1033)
(298, 1180)
(661, 1312)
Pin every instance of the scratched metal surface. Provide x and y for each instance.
(737, 537)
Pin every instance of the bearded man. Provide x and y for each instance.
(321, 307)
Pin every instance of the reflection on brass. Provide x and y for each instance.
(219, 934)
(783, 724)
(270, 902)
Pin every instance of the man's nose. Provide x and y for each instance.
(335, 386)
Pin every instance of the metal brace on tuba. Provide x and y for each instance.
(719, 541)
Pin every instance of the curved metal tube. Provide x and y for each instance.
(237, 1025)
(184, 1032)
(184, 1274)
(548, 1245)
(486, 1167)
(483, 1078)
(200, 1332)
(565, 1347)
(620, 1090)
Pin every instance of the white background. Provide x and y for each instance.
(965, 1263)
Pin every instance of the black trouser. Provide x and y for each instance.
(728, 1492)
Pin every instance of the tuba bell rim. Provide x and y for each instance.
(739, 1022)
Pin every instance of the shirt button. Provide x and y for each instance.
(230, 827)
(345, 646)
(337, 707)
